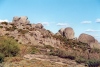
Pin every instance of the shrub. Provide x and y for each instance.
(34, 50)
(89, 62)
(72, 57)
(63, 54)
(9, 47)
(13, 59)
(71, 43)
(1, 57)
(11, 28)
(80, 60)
(93, 63)
(1, 26)
(61, 38)
(23, 31)
(48, 47)
(4, 23)
(95, 50)
(7, 34)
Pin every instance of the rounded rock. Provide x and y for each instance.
(69, 33)
(85, 38)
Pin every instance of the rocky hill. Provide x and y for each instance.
(34, 40)
(25, 33)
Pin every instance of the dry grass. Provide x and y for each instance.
(32, 63)
(13, 59)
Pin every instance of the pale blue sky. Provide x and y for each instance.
(82, 15)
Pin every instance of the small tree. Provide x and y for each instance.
(1, 57)
(9, 47)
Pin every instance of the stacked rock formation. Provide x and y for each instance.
(21, 20)
(33, 34)
(67, 32)
(26, 33)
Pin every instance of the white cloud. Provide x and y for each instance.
(4, 20)
(91, 30)
(98, 20)
(86, 22)
(62, 24)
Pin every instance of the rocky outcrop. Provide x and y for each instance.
(20, 20)
(39, 25)
(90, 40)
(32, 34)
(61, 31)
(16, 18)
(69, 33)
(85, 38)
(57, 34)
(35, 34)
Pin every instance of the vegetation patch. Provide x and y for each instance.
(1, 57)
(8, 47)
(1, 26)
(4, 23)
(72, 43)
(81, 60)
(48, 47)
(95, 50)
(23, 31)
(34, 50)
(93, 63)
(10, 28)
(63, 54)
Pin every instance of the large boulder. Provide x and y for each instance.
(85, 38)
(90, 40)
(68, 33)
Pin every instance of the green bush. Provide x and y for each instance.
(9, 47)
(34, 50)
(23, 31)
(95, 50)
(61, 38)
(63, 54)
(80, 60)
(93, 63)
(4, 23)
(71, 43)
(89, 62)
(11, 28)
(48, 47)
(1, 26)
(1, 57)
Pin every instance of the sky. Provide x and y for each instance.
(82, 15)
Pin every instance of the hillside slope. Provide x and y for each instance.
(43, 47)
